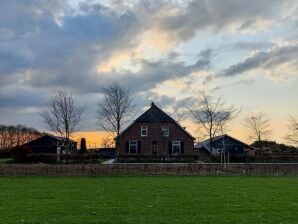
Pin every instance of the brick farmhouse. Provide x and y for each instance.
(155, 133)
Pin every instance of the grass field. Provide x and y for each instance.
(148, 200)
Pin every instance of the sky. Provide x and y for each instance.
(169, 52)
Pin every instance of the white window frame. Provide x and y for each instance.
(144, 128)
(165, 129)
(133, 142)
(176, 143)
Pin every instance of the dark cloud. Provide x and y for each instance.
(150, 74)
(233, 84)
(11, 60)
(201, 14)
(41, 52)
(26, 18)
(265, 59)
(153, 73)
(65, 49)
(20, 98)
(250, 45)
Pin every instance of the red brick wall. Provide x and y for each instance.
(155, 134)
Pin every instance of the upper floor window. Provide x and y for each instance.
(144, 131)
(165, 131)
(176, 148)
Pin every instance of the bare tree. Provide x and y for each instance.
(212, 115)
(180, 114)
(258, 128)
(292, 136)
(257, 125)
(107, 142)
(115, 109)
(11, 136)
(62, 115)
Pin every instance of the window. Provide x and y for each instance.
(165, 131)
(133, 147)
(144, 131)
(176, 148)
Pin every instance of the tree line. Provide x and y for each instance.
(11, 136)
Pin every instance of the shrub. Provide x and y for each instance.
(19, 153)
(41, 158)
(5, 154)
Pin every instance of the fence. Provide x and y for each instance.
(157, 159)
(278, 158)
(284, 169)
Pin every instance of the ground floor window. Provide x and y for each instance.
(133, 147)
(176, 147)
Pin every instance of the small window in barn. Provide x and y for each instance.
(165, 131)
(176, 148)
(144, 131)
(133, 147)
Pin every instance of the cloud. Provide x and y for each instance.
(218, 15)
(72, 47)
(144, 45)
(14, 96)
(250, 45)
(233, 84)
(154, 73)
(283, 55)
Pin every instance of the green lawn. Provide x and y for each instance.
(148, 200)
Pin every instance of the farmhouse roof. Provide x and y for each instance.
(154, 114)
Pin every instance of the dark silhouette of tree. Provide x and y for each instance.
(258, 127)
(62, 115)
(107, 142)
(11, 136)
(180, 114)
(212, 115)
(116, 108)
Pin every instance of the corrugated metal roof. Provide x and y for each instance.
(205, 143)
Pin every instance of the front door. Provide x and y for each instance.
(154, 148)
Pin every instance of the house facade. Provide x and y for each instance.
(225, 144)
(155, 133)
